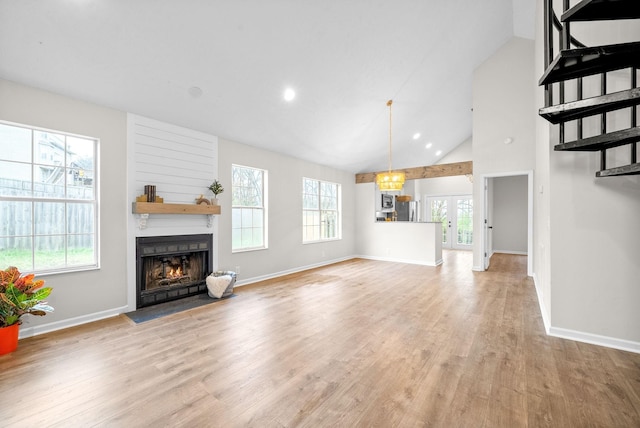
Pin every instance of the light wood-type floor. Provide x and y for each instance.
(356, 344)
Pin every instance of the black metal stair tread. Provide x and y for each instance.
(602, 10)
(590, 106)
(633, 169)
(580, 62)
(603, 141)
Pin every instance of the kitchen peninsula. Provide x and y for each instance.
(408, 242)
(398, 241)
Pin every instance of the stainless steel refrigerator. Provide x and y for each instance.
(407, 211)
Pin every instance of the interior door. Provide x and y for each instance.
(456, 215)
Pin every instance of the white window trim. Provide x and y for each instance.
(95, 202)
(338, 210)
(265, 210)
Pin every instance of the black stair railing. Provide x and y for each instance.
(634, 116)
(574, 61)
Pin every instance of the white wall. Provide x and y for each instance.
(523, 23)
(509, 219)
(503, 107)
(81, 296)
(286, 252)
(461, 153)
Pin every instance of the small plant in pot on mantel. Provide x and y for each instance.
(19, 295)
(216, 188)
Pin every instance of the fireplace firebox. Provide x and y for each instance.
(172, 267)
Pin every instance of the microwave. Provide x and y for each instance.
(387, 201)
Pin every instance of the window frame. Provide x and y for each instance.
(320, 210)
(263, 208)
(33, 199)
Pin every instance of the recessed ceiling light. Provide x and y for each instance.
(439, 152)
(428, 146)
(416, 135)
(289, 94)
(195, 92)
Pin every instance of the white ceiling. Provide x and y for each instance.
(344, 59)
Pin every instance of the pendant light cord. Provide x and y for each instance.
(389, 104)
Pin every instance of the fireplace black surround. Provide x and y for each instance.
(172, 267)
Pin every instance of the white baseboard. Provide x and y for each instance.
(71, 322)
(595, 339)
(477, 269)
(517, 253)
(240, 283)
(408, 261)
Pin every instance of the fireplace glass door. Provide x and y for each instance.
(172, 267)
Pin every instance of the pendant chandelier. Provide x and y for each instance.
(390, 180)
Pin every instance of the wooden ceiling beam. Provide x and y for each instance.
(432, 171)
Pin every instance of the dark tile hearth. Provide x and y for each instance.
(156, 311)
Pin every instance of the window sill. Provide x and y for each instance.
(321, 241)
(246, 250)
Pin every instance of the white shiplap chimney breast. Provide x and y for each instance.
(181, 163)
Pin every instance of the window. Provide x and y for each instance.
(48, 205)
(320, 210)
(248, 212)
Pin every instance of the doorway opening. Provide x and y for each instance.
(507, 216)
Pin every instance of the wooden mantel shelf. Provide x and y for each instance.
(143, 209)
(164, 208)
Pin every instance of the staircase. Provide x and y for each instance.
(577, 68)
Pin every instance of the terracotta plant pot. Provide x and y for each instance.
(9, 338)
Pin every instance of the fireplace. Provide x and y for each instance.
(172, 267)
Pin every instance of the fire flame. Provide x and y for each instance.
(175, 273)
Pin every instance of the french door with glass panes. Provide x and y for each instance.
(456, 215)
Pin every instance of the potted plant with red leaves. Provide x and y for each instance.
(19, 295)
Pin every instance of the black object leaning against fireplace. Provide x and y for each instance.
(172, 267)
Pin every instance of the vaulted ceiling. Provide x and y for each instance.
(222, 66)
